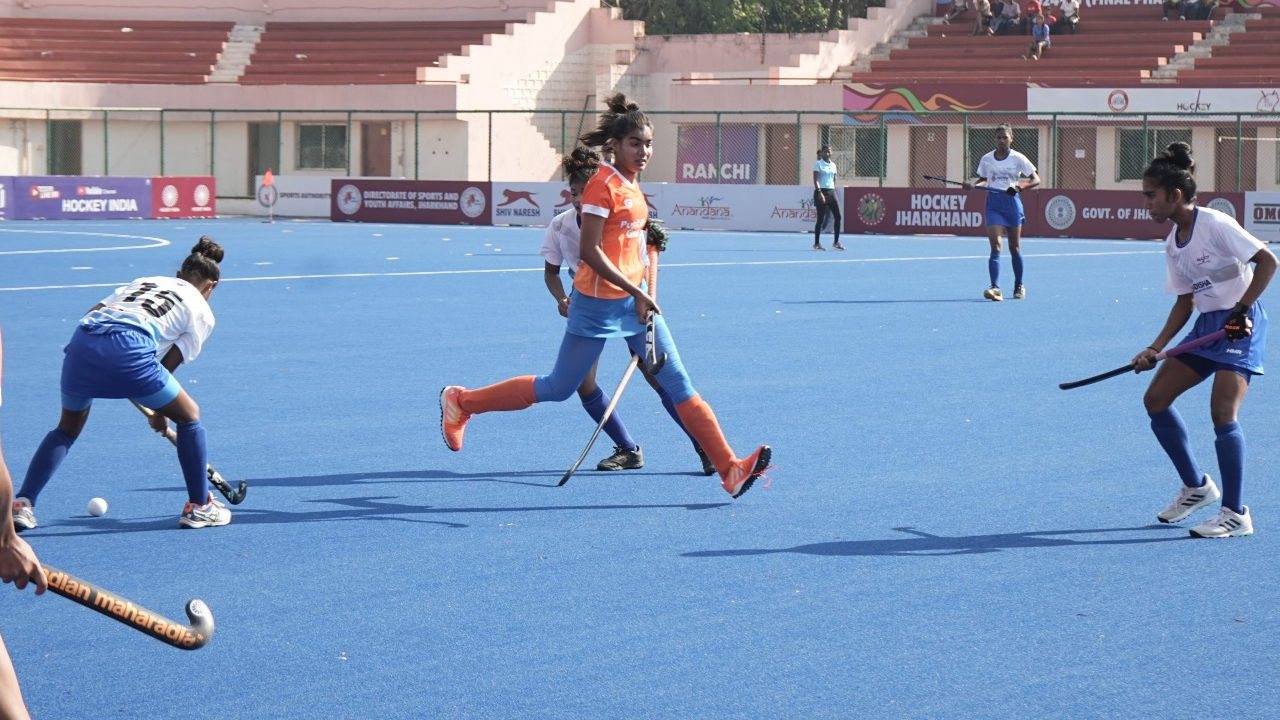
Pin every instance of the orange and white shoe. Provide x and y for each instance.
(743, 473)
(453, 421)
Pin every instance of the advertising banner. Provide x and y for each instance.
(1261, 216)
(429, 202)
(183, 197)
(733, 159)
(69, 197)
(530, 203)
(6, 198)
(293, 196)
(1049, 213)
(1108, 213)
(1140, 100)
(755, 208)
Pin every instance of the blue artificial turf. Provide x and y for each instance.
(945, 533)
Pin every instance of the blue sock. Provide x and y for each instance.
(52, 451)
(1230, 447)
(993, 268)
(1017, 267)
(193, 456)
(670, 407)
(595, 406)
(1172, 434)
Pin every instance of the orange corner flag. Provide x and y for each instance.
(268, 178)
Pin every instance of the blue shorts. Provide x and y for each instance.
(1242, 356)
(114, 361)
(595, 317)
(1005, 210)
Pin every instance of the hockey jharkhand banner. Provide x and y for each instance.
(68, 197)
(429, 202)
(1049, 213)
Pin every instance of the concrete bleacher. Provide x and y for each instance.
(1112, 44)
(1249, 58)
(110, 51)
(358, 53)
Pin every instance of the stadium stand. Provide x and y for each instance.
(358, 53)
(110, 51)
(1113, 44)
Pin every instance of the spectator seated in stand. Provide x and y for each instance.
(1006, 23)
(1070, 11)
(1039, 38)
(1202, 10)
(1030, 9)
(982, 19)
(1177, 8)
(958, 8)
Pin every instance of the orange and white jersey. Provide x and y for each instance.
(622, 205)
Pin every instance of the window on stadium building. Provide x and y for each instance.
(857, 151)
(982, 140)
(322, 147)
(1135, 147)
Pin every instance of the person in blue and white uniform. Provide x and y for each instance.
(128, 346)
(1208, 258)
(1004, 169)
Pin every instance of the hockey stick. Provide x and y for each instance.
(183, 637)
(653, 362)
(235, 497)
(608, 410)
(988, 188)
(1171, 352)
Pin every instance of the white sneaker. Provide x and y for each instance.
(211, 514)
(24, 515)
(993, 293)
(1227, 523)
(1189, 500)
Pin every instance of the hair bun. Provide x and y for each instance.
(1179, 154)
(208, 248)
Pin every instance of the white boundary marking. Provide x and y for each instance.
(156, 242)
(498, 271)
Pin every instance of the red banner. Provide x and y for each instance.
(1049, 213)
(183, 197)
(429, 202)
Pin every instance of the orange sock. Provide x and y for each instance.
(513, 394)
(696, 415)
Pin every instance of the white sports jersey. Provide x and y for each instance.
(1214, 263)
(563, 238)
(1003, 174)
(168, 308)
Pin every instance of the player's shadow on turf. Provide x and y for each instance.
(376, 508)
(925, 544)
(437, 476)
(351, 508)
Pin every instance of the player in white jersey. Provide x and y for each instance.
(128, 346)
(560, 247)
(1208, 258)
(1004, 169)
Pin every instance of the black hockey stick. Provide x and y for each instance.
(235, 497)
(1171, 352)
(183, 637)
(1010, 191)
(608, 410)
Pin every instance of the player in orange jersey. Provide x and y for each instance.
(610, 300)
